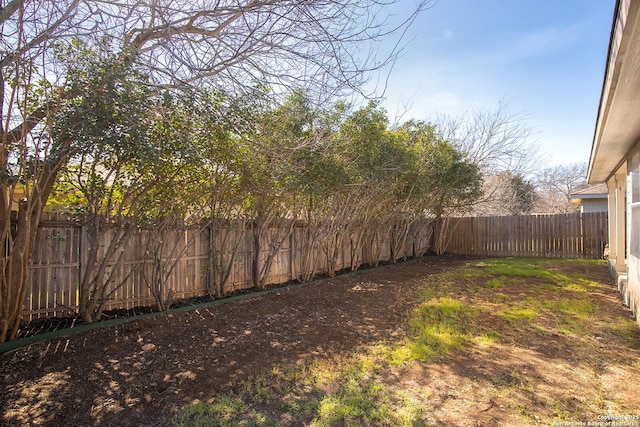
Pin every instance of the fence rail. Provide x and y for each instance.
(544, 236)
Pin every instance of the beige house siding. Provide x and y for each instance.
(594, 205)
(592, 199)
(632, 290)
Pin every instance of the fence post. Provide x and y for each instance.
(82, 262)
(292, 255)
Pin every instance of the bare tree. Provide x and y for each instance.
(495, 139)
(555, 186)
(322, 46)
(507, 193)
(498, 141)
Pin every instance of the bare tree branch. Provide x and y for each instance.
(494, 138)
(9, 9)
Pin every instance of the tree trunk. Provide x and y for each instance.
(257, 245)
(220, 261)
(18, 250)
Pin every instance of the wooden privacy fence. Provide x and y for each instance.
(59, 259)
(546, 236)
(60, 254)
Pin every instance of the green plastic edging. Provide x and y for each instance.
(15, 344)
(12, 345)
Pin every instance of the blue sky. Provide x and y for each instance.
(545, 57)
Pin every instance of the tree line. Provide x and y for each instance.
(155, 158)
(147, 113)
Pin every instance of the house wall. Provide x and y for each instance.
(631, 289)
(594, 205)
(631, 292)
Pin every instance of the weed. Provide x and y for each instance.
(518, 313)
(496, 282)
(223, 412)
(498, 298)
(440, 325)
(487, 339)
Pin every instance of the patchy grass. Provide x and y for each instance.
(515, 341)
(440, 325)
(350, 391)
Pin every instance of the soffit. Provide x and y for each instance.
(618, 126)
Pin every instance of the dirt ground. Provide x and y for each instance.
(141, 373)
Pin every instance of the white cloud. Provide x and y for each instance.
(445, 36)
